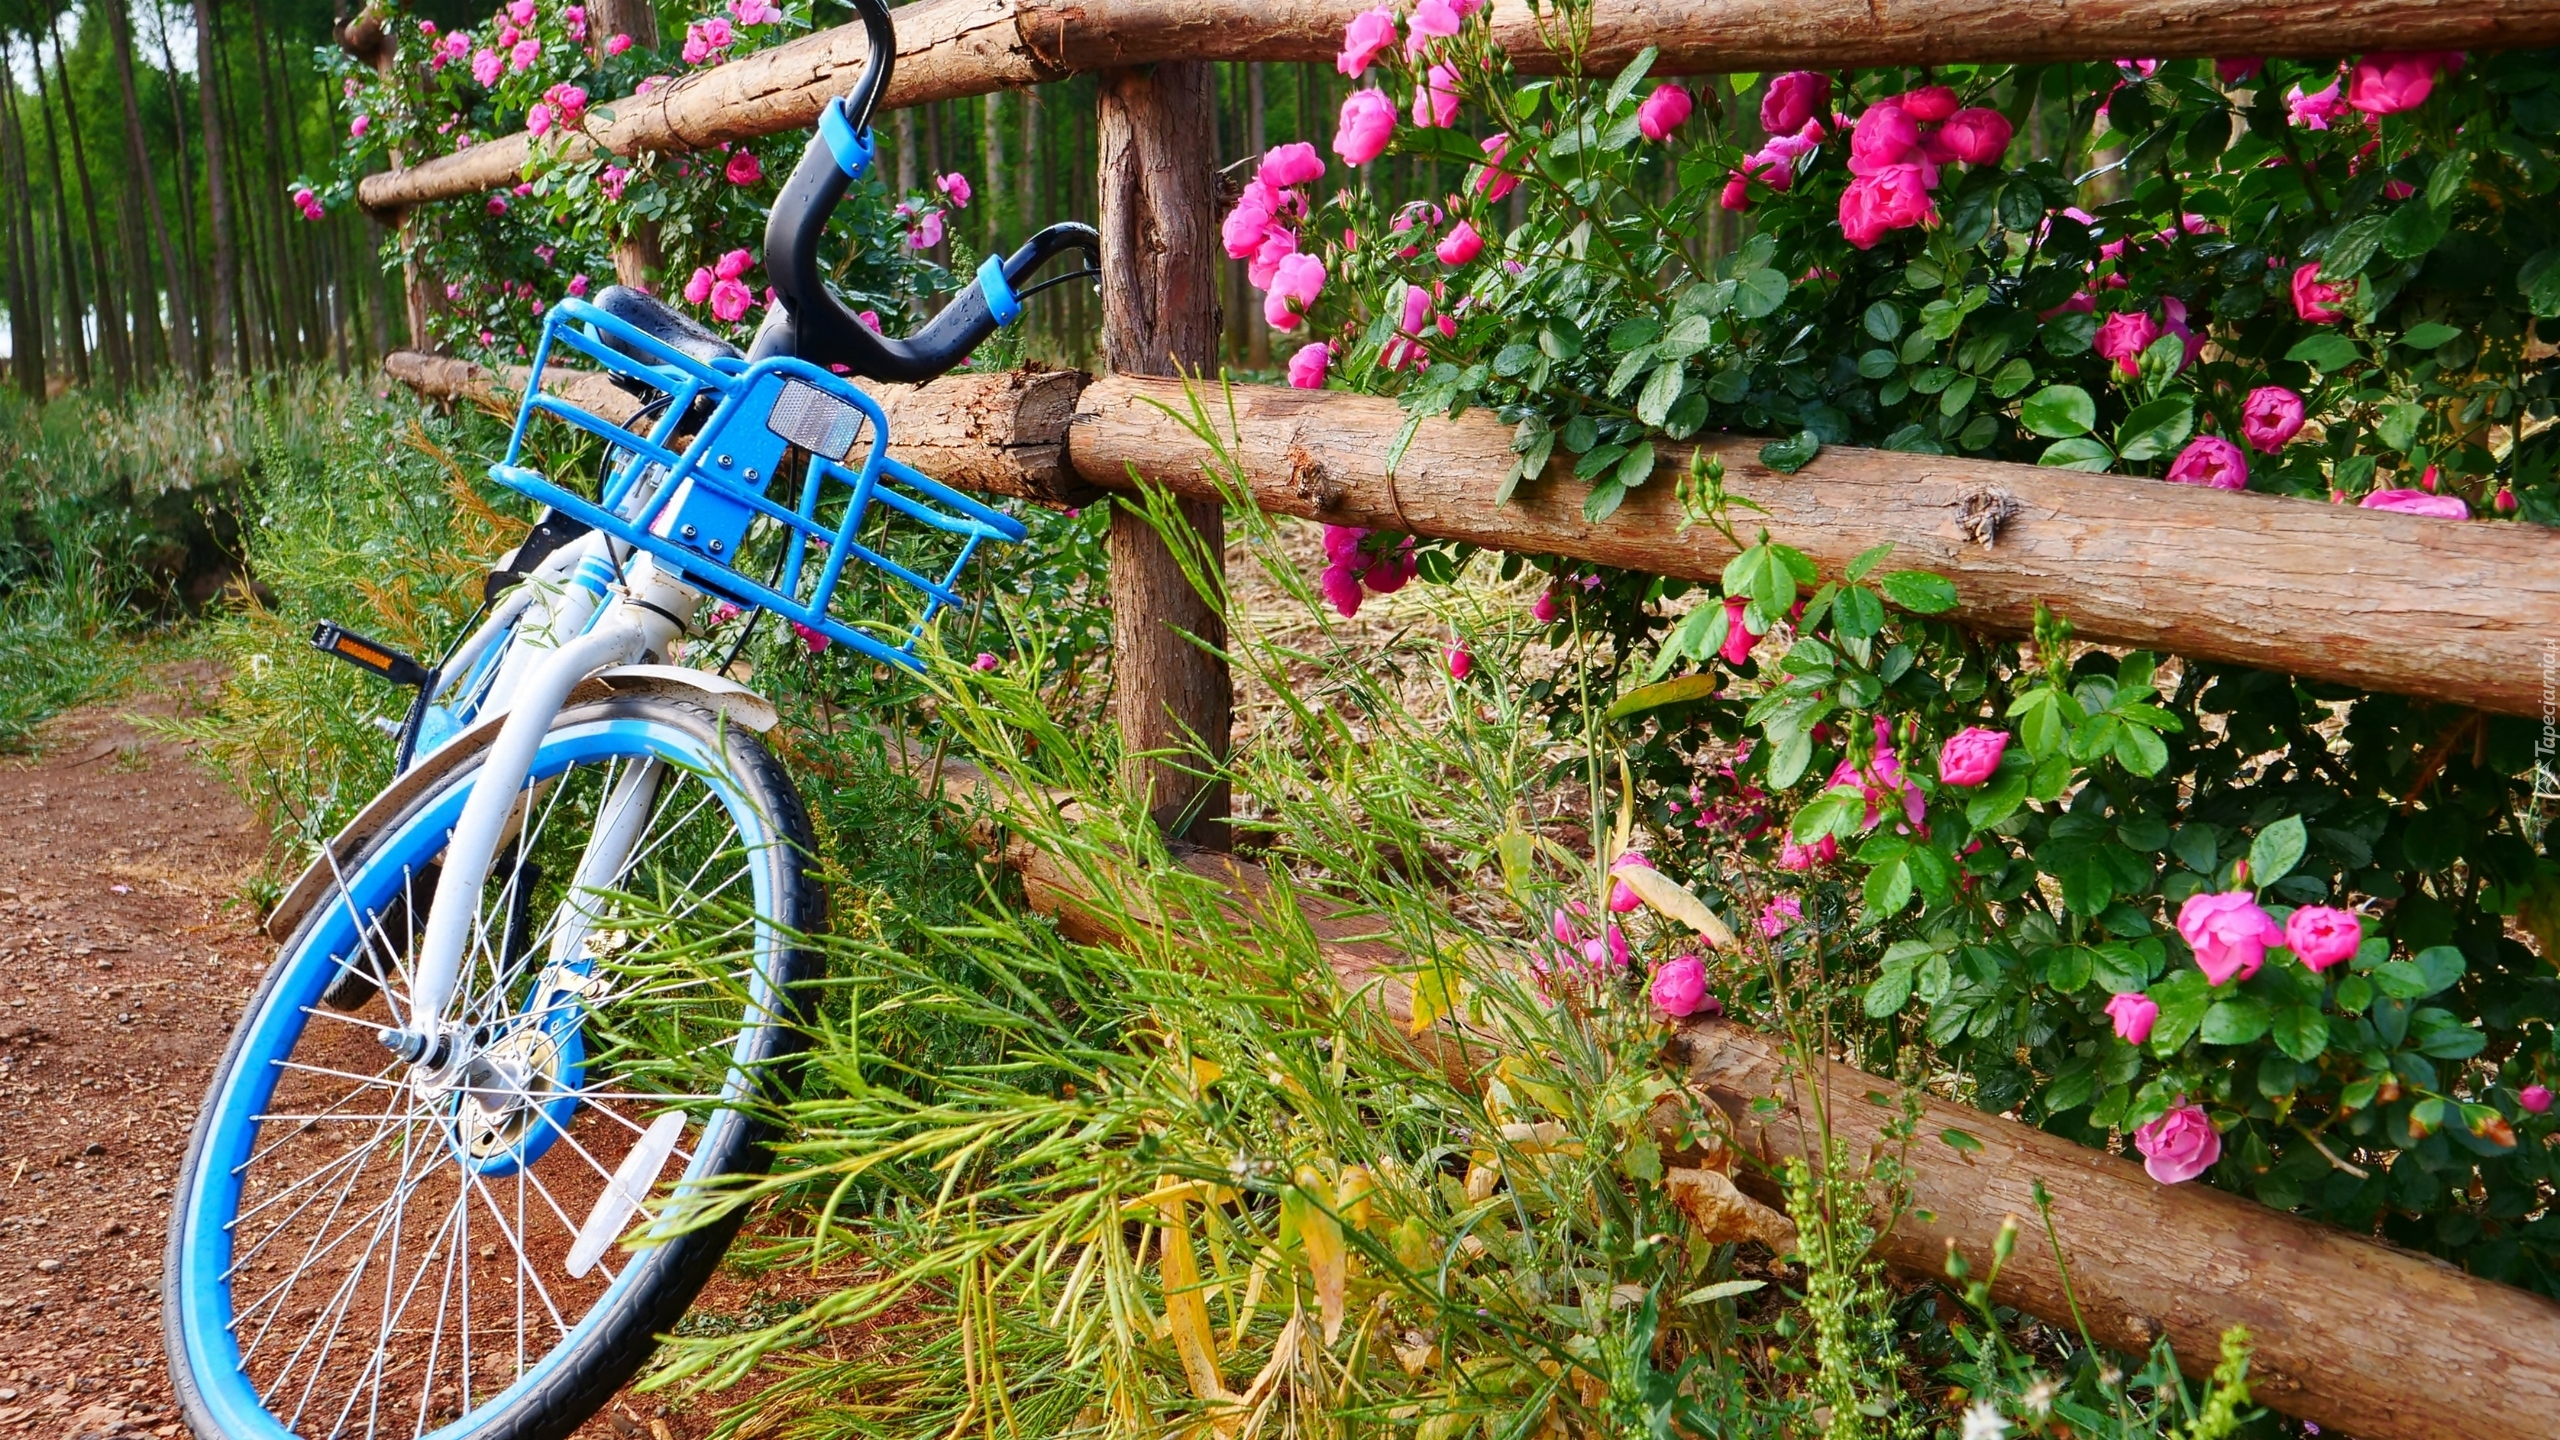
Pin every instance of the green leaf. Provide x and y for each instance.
(1792, 454)
(2398, 423)
(2183, 998)
(1788, 759)
(2416, 228)
(2429, 335)
(1889, 993)
(2140, 751)
(2353, 248)
(1637, 467)
(2088, 452)
(2441, 965)
(1883, 321)
(1667, 692)
(2539, 282)
(2276, 851)
(2059, 412)
(2400, 980)
(1631, 77)
(2327, 352)
(1721, 1290)
(2002, 794)
(1920, 591)
(2068, 970)
(2302, 1032)
(1889, 888)
(1661, 392)
(1603, 501)
(2236, 1020)
(2155, 429)
(1868, 559)
(1761, 292)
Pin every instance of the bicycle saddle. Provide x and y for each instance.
(645, 311)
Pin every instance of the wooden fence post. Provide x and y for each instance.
(369, 39)
(636, 256)
(1160, 317)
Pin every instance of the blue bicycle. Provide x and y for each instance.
(545, 986)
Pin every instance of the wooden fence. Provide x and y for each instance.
(2451, 612)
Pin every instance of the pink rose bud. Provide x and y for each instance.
(1971, 755)
(733, 264)
(1622, 896)
(1435, 99)
(985, 661)
(1545, 608)
(1340, 585)
(817, 641)
(1295, 284)
(2321, 935)
(1370, 33)
(1780, 915)
(1793, 99)
(578, 285)
(1680, 988)
(2239, 69)
(1368, 122)
(2270, 418)
(2418, 502)
(744, 168)
(2210, 461)
(1792, 856)
(1296, 163)
(698, 289)
(1492, 181)
(2314, 299)
(1738, 638)
(2505, 504)
(1929, 104)
(1664, 111)
(2134, 1014)
(2123, 336)
(1461, 662)
(2535, 1099)
(1976, 137)
(2179, 1146)
(1308, 366)
(2228, 933)
(617, 45)
(1460, 245)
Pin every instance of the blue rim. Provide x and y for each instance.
(212, 1199)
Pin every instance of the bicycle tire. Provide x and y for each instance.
(475, 1133)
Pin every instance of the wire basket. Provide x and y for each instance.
(780, 441)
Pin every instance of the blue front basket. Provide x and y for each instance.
(707, 498)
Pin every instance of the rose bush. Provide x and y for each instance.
(2284, 934)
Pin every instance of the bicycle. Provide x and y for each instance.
(547, 981)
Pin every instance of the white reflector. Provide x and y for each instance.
(623, 1194)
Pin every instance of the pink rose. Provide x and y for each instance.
(1369, 33)
(2179, 1146)
(1492, 181)
(2134, 1013)
(1431, 20)
(1622, 896)
(2238, 69)
(2534, 1098)
(1929, 104)
(870, 320)
(578, 285)
(1971, 755)
(1546, 607)
(1881, 780)
(815, 640)
(754, 12)
(1885, 137)
(569, 100)
(1793, 99)
(1295, 284)
(733, 264)
(521, 12)
(927, 232)
(986, 661)
(697, 291)
(497, 204)
(2229, 934)
(1976, 137)
(1296, 163)
(956, 186)
(1461, 245)
(613, 179)
(744, 168)
(617, 45)
(2210, 461)
(1792, 856)
(1368, 122)
(486, 67)
(1663, 111)
(1737, 637)
(2270, 418)
(1780, 915)
(1342, 588)
(1460, 661)
(359, 125)
(730, 301)
(2321, 935)
(574, 20)
(1892, 198)
(1680, 988)
(2123, 336)
(2417, 502)
(525, 53)
(2315, 299)
(1308, 366)
(1405, 351)
(1435, 99)
(2315, 110)
(2389, 83)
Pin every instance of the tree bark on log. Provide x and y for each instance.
(949, 49)
(999, 434)
(2439, 609)
(1171, 694)
(2357, 1336)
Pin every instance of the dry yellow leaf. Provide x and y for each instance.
(1723, 1213)
(1669, 898)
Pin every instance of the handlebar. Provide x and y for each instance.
(811, 322)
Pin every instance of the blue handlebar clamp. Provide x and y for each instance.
(852, 148)
(1002, 304)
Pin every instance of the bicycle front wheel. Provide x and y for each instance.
(360, 1245)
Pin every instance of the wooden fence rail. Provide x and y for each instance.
(2432, 608)
(952, 48)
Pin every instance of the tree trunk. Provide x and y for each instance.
(26, 272)
(111, 317)
(75, 308)
(180, 338)
(991, 204)
(224, 324)
(637, 256)
(2459, 613)
(1172, 697)
(1257, 354)
(200, 340)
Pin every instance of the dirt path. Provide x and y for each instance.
(125, 956)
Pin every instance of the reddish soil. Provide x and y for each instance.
(127, 952)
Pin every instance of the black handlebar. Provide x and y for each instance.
(811, 322)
